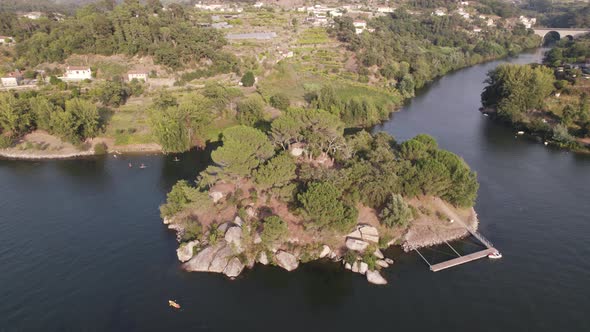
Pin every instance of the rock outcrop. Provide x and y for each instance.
(216, 196)
(185, 251)
(202, 261)
(325, 251)
(233, 268)
(286, 260)
(233, 236)
(262, 258)
(355, 244)
(363, 268)
(375, 277)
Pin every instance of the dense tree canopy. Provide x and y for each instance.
(128, 28)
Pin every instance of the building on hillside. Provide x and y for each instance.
(6, 40)
(440, 12)
(285, 54)
(258, 5)
(385, 9)
(11, 79)
(359, 26)
(33, 15)
(140, 75)
(78, 73)
(463, 13)
(527, 22)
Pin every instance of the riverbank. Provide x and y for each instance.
(544, 133)
(41, 145)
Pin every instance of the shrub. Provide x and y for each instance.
(100, 148)
(192, 230)
(5, 142)
(275, 230)
(280, 101)
(248, 79)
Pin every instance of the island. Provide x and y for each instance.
(303, 190)
(548, 101)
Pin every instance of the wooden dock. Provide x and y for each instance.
(461, 260)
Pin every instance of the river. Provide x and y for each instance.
(82, 247)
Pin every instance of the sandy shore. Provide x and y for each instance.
(54, 148)
(426, 232)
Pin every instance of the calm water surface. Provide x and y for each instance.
(82, 247)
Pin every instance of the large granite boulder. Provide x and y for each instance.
(369, 233)
(382, 263)
(375, 277)
(355, 267)
(363, 268)
(378, 254)
(216, 196)
(185, 251)
(233, 268)
(202, 261)
(356, 244)
(325, 251)
(221, 259)
(262, 258)
(286, 260)
(233, 236)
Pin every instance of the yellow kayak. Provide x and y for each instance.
(173, 304)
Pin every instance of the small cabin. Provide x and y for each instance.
(140, 75)
(12, 79)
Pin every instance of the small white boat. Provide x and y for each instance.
(176, 159)
(546, 143)
(486, 114)
(495, 255)
(142, 166)
(520, 132)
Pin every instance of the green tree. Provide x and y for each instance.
(250, 110)
(322, 204)
(244, 149)
(396, 213)
(276, 172)
(14, 116)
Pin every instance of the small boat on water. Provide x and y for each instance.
(176, 159)
(173, 304)
(495, 255)
(130, 165)
(520, 132)
(142, 166)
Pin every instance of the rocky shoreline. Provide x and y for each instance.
(228, 255)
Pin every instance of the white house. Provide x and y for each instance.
(258, 5)
(285, 54)
(140, 75)
(385, 10)
(78, 73)
(33, 15)
(527, 22)
(359, 26)
(12, 79)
